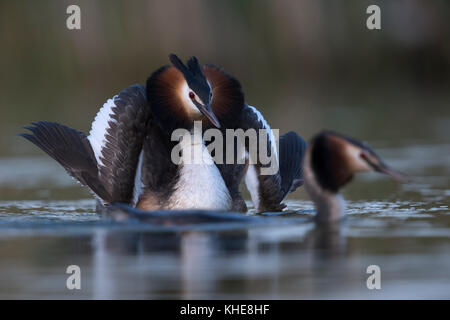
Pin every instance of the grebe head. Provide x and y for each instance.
(331, 161)
(196, 92)
(336, 158)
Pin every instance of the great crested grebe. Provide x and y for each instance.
(266, 190)
(127, 156)
(330, 162)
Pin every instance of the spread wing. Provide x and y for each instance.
(107, 160)
(71, 149)
(269, 187)
(158, 171)
(116, 137)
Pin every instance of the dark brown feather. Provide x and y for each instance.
(274, 188)
(227, 104)
(329, 161)
(159, 173)
(228, 98)
(72, 150)
(124, 139)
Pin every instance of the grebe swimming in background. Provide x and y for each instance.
(330, 162)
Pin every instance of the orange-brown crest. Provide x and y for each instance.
(166, 87)
(228, 98)
(341, 165)
(163, 93)
(336, 158)
(171, 82)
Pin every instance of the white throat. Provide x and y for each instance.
(329, 206)
(192, 109)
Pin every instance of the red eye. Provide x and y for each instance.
(191, 95)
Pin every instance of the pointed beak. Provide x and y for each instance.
(383, 168)
(207, 112)
(379, 166)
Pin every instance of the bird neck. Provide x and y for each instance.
(330, 206)
(193, 149)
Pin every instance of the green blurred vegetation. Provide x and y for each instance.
(307, 65)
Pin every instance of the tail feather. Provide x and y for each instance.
(71, 149)
(292, 149)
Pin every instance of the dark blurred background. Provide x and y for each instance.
(307, 65)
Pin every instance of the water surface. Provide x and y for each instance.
(48, 222)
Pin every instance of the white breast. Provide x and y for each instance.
(200, 185)
(329, 206)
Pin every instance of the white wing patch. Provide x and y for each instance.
(99, 127)
(266, 126)
(251, 177)
(252, 184)
(138, 184)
